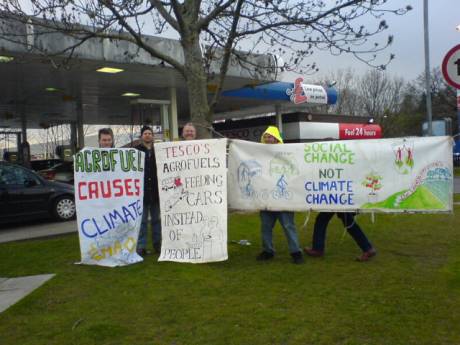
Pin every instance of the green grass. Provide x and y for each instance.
(410, 293)
(457, 171)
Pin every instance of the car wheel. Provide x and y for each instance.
(64, 208)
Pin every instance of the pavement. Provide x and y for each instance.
(14, 289)
(18, 232)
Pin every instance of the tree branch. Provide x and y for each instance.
(138, 39)
(227, 54)
(299, 21)
(165, 14)
(204, 22)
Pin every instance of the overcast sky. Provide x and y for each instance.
(408, 46)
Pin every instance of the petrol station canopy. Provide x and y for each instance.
(46, 89)
(39, 87)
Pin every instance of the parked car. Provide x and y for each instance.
(42, 164)
(25, 195)
(62, 172)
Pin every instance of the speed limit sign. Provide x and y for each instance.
(451, 67)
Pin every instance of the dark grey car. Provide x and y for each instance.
(25, 195)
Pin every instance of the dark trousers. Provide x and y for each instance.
(154, 209)
(348, 220)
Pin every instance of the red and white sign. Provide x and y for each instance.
(329, 130)
(294, 131)
(451, 67)
(306, 93)
(359, 131)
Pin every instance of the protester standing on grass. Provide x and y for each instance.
(151, 197)
(348, 220)
(105, 138)
(189, 131)
(286, 219)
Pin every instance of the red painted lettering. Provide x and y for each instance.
(128, 187)
(106, 192)
(80, 194)
(93, 191)
(137, 186)
(117, 185)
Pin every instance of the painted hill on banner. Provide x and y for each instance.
(422, 198)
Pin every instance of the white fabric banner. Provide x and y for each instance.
(385, 175)
(192, 180)
(109, 189)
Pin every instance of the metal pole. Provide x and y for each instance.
(427, 69)
(458, 111)
(279, 118)
(73, 136)
(173, 115)
(23, 126)
(165, 122)
(80, 131)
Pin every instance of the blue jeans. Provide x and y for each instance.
(348, 220)
(286, 219)
(154, 210)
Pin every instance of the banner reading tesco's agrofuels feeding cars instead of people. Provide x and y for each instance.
(385, 175)
(192, 179)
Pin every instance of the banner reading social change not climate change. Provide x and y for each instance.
(383, 175)
(109, 189)
(192, 180)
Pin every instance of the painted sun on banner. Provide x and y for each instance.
(192, 179)
(109, 189)
(383, 175)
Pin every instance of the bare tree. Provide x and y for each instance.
(411, 112)
(444, 99)
(380, 94)
(233, 31)
(346, 82)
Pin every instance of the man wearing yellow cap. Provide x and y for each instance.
(286, 219)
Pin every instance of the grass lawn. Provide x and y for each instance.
(457, 171)
(409, 294)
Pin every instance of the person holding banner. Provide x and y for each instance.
(105, 138)
(151, 197)
(286, 219)
(348, 220)
(189, 131)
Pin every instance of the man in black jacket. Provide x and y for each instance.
(151, 198)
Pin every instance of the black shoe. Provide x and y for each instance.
(313, 252)
(367, 255)
(297, 258)
(142, 252)
(265, 256)
(157, 248)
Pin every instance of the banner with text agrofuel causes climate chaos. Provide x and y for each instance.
(109, 189)
(192, 180)
(387, 175)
